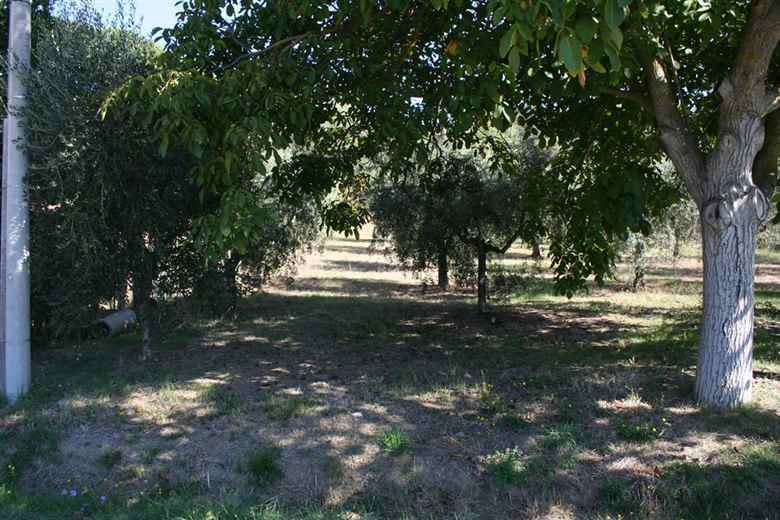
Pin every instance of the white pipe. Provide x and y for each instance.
(14, 260)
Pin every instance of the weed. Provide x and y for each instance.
(263, 467)
(395, 441)
(491, 402)
(151, 454)
(507, 467)
(645, 431)
(562, 438)
(514, 422)
(110, 458)
(617, 495)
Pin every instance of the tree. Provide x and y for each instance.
(110, 213)
(594, 77)
(105, 208)
(463, 206)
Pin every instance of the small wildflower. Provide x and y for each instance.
(103, 499)
(73, 492)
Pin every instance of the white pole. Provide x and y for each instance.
(14, 261)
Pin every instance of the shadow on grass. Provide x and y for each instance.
(551, 363)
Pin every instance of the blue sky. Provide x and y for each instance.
(155, 13)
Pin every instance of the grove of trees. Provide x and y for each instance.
(463, 207)
(206, 165)
(616, 85)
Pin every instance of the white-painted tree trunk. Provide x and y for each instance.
(725, 369)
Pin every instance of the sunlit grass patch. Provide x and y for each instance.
(224, 400)
(284, 407)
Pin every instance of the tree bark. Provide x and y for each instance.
(724, 372)
(536, 250)
(482, 282)
(142, 289)
(444, 271)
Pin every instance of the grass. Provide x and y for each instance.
(395, 441)
(507, 467)
(224, 400)
(325, 372)
(285, 407)
(263, 466)
(643, 431)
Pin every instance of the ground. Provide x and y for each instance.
(355, 391)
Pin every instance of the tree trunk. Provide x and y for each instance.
(482, 281)
(144, 307)
(444, 271)
(536, 252)
(731, 213)
(724, 374)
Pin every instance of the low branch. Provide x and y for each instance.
(677, 140)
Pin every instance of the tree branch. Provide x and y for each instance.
(678, 142)
(641, 99)
(759, 41)
(765, 164)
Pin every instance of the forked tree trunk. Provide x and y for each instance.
(444, 271)
(482, 281)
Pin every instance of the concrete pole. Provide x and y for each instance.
(14, 260)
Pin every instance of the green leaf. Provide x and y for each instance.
(614, 13)
(525, 30)
(514, 62)
(506, 43)
(586, 29)
(570, 53)
(614, 57)
(164, 145)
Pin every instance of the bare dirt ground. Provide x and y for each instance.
(382, 397)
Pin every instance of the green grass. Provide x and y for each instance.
(395, 441)
(224, 400)
(285, 407)
(740, 484)
(640, 431)
(34, 438)
(507, 467)
(263, 466)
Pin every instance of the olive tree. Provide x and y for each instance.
(464, 206)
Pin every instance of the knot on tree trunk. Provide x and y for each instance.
(736, 202)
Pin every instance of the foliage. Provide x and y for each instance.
(262, 72)
(508, 466)
(108, 212)
(457, 205)
(104, 207)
